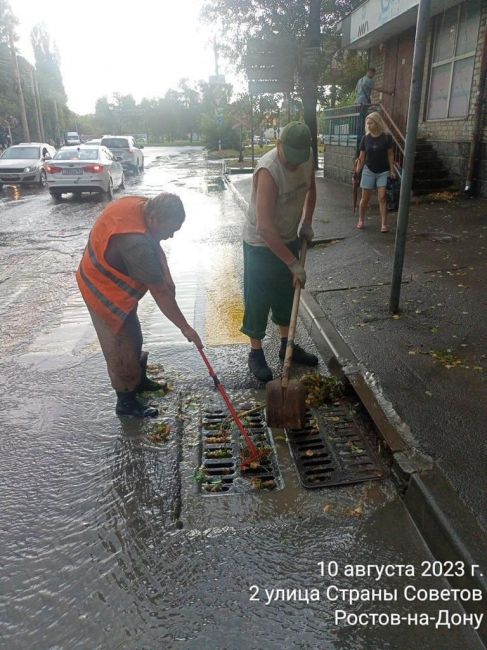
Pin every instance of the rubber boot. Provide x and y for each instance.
(258, 366)
(129, 405)
(299, 355)
(147, 385)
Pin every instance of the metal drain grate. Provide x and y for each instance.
(332, 450)
(221, 450)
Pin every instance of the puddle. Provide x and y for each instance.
(91, 554)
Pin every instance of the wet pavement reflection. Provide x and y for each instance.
(106, 541)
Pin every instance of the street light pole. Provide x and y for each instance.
(311, 72)
(422, 26)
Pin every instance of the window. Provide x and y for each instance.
(456, 36)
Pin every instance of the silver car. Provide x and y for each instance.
(124, 148)
(24, 163)
(85, 168)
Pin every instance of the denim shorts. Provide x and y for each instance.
(371, 180)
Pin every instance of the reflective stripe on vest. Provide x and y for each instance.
(110, 293)
(118, 281)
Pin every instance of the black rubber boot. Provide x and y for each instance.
(258, 365)
(299, 355)
(129, 405)
(147, 385)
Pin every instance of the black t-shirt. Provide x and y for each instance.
(376, 152)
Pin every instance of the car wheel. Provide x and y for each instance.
(122, 182)
(77, 196)
(55, 195)
(135, 169)
(43, 178)
(109, 193)
(142, 166)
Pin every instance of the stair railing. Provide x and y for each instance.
(398, 138)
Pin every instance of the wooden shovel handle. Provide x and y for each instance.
(294, 318)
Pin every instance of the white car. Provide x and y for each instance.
(84, 169)
(72, 137)
(24, 163)
(123, 147)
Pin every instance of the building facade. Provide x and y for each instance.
(454, 75)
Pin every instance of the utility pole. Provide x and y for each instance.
(36, 107)
(422, 26)
(15, 64)
(310, 64)
(56, 125)
(39, 105)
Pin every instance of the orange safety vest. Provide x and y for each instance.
(110, 293)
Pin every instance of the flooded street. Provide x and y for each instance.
(107, 541)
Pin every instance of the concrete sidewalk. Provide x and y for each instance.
(429, 363)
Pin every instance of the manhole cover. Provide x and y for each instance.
(221, 450)
(332, 450)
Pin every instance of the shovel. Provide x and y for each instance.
(286, 398)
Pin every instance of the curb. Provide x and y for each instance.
(448, 528)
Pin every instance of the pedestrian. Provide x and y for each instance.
(376, 161)
(283, 195)
(363, 97)
(121, 262)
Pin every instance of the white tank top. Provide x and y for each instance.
(292, 187)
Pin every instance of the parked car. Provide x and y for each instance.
(125, 150)
(261, 141)
(23, 163)
(71, 138)
(85, 168)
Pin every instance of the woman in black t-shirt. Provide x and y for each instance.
(376, 160)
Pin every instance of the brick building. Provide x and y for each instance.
(454, 67)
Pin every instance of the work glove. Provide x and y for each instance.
(307, 232)
(192, 336)
(298, 272)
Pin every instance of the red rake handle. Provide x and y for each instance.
(253, 450)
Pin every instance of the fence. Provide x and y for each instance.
(344, 126)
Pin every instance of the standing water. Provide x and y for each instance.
(105, 539)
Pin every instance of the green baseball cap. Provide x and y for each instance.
(296, 142)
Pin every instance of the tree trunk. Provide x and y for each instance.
(15, 65)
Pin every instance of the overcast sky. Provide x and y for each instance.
(142, 47)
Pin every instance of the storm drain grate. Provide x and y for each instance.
(221, 449)
(332, 449)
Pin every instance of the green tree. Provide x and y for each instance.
(57, 116)
(289, 21)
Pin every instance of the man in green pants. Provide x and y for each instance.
(283, 196)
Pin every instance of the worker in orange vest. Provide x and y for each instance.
(122, 261)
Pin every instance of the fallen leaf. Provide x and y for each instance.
(328, 508)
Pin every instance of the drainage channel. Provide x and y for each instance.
(335, 447)
(221, 449)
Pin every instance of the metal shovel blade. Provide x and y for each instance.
(286, 406)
